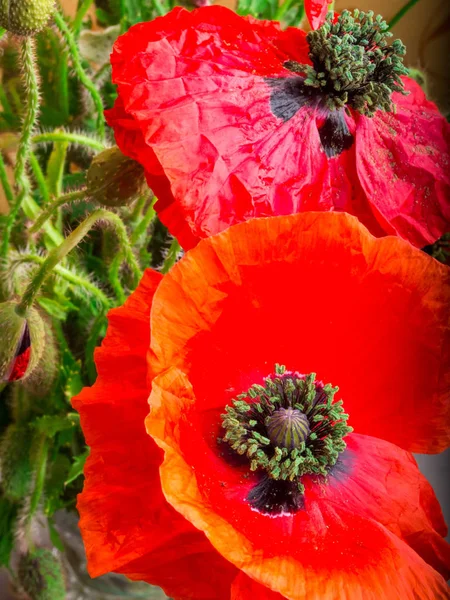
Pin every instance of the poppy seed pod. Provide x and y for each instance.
(25, 17)
(24, 341)
(113, 179)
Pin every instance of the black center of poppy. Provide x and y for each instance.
(287, 428)
(353, 66)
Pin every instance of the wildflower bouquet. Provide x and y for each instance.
(224, 302)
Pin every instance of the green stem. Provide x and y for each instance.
(31, 210)
(9, 195)
(51, 208)
(171, 257)
(32, 106)
(71, 278)
(40, 472)
(159, 8)
(39, 177)
(282, 10)
(401, 13)
(57, 254)
(72, 138)
(114, 280)
(81, 73)
(143, 223)
(2, 32)
(29, 69)
(81, 13)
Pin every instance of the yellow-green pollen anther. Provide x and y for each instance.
(353, 64)
(289, 427)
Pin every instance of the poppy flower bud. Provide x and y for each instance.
(23, 342)
(113, 179)
(40, 575)
(25, 17)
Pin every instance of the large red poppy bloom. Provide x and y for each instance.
(210, 104)
(314, 292)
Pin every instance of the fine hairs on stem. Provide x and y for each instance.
(58, 253)
(31, 83)
(81, 73)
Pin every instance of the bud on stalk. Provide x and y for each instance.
(25, 17)
(115, 180)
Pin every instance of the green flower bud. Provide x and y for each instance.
(113, 179)
(40, 575)
(25, 17)
(23, 342)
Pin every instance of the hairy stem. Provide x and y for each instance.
(71, 277)
(171, 257)
(57, 254)
(39, 481)
(9, 195)
(39, 177)
(72, 138)
(81, 73)
(53, 207)
(29, 69)
(81, 13)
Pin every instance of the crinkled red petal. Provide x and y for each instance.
(126, 523)
(196, 108)
(403, 165)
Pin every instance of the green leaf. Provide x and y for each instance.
(54, 485)
(77, 466)
(8, 514)
(262, 9)
(55, 168)
(15, 461)
(40, 575)
(53, 424)
(53, 308)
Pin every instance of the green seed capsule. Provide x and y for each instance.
(288, 428)
(25, 17)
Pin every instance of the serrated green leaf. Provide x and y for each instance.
(77, 466)
(53, 424)
(53, 308)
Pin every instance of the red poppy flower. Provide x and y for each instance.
(297, 507)
(217, 109)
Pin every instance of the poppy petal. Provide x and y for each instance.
(317, 293)
(316, 11)
(244, 587)
(409, 148)
(124, 515)
(341, 541)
